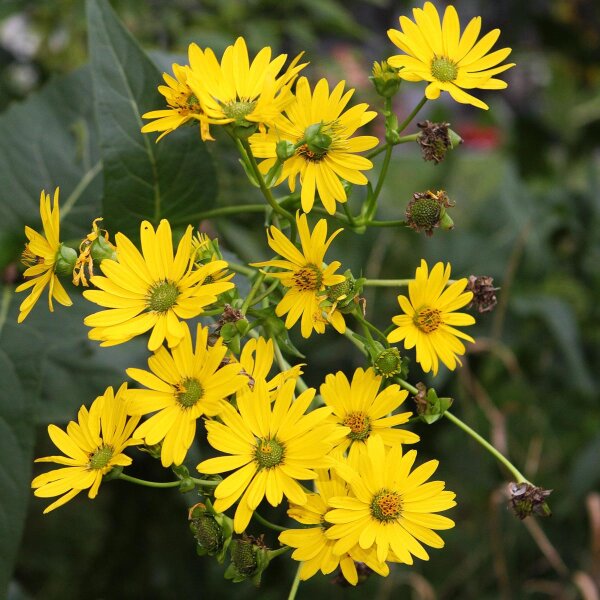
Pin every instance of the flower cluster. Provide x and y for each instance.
(222, 388)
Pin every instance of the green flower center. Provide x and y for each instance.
(428, 319)
(190, 391)
(269, 453)
(388, 362)
(443, 69)
(101, 457)
(308, 278)
(386, 506)
(162, 296)
(360, 425)
(238, 111)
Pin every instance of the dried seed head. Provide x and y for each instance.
(484, 293)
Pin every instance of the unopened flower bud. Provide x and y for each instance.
(102, 249)
(385, 79)
(427, 210)
(212, 532)
(249, 558)
(343, 295)
(484, 293)
(388, 363)
(65, 260)
(527, 499)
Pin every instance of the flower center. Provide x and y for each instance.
(306, 153)
(238, 111)
(308, 278)
(162, 296)
(386, 506)
(190, 390)
(428, 319)
(269, 453)
(443, 69)
(100, 457)
(360, 425)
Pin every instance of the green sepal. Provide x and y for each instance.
(65, 260)
(114, 473)
(434, 408)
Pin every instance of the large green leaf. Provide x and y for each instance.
(142, 180)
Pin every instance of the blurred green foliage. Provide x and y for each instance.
(525, 183)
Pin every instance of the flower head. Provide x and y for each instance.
(182, 385)
(183, 106)
(304, 275)
(389, 507)
(40, 255)
(313, 547)
(429, 318)
(152, 290)
(360, 406)
(270, 447)
(92, 447)
(238, 91)
(435, 51)
(326, 152)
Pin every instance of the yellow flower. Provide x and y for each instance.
(183, 385)
(152, 291)
(257, 361)
(429, 317)
(326, 151)
(239, 91)
(205, 250)
(270, 447)
(437, 52)
(93, 446)
(390, 507)
(360, 406)
(313, 547)
(40, 255)
(183, 106)
(304, 275)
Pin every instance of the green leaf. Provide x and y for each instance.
(174, 179)
(48, 141)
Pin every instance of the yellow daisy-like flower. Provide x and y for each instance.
(93, 446)
(313, 547)
(151, 291)
(40, 256)
(270, 448)
(360, 406)
(183, 384)
(257, 361)
(205, 250)
(437, 52)
(183, 106)
(239, 91)
(392, 508)
(304, 276)
(326, 151)
(429, 317)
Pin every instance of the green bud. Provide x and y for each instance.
(429, 407)
(317, 141)
(212, 531)
(228, 332)
(385, 79)
(284, 150)
(103, 250)
(388, 362)
(455, 139)
(187, 485)
(446, 221)
(65, 260)
(242, 326)
(249, 558)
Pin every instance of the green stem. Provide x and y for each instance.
(387, 282)
(243, 269)
(278, 552)
(295, 584)
(266, 523)
(255, 287)
(407, 386)
(412, 115)
(519, 477)
(266, 293)
(349, 216)
(382, 174)
(339, 216)
(350, 335)
(221, 212)
(167, 484)
(285, 366)
(368, 326)
(401, 140)
(263, 187)
(375, 223)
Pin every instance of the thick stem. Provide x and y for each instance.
(519, 477)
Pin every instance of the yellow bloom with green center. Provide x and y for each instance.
(183, 106)
(151, 290)
(312, 547)
(390, 507)
(270, 447)
(238, 91)
(256, 360)
(182, 385)
(429, 320)
(326, 153)
(305, 276)
(40, 256)
(435, 51)
(92, 447)
(367, 411)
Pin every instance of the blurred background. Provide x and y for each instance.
(527, 213)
